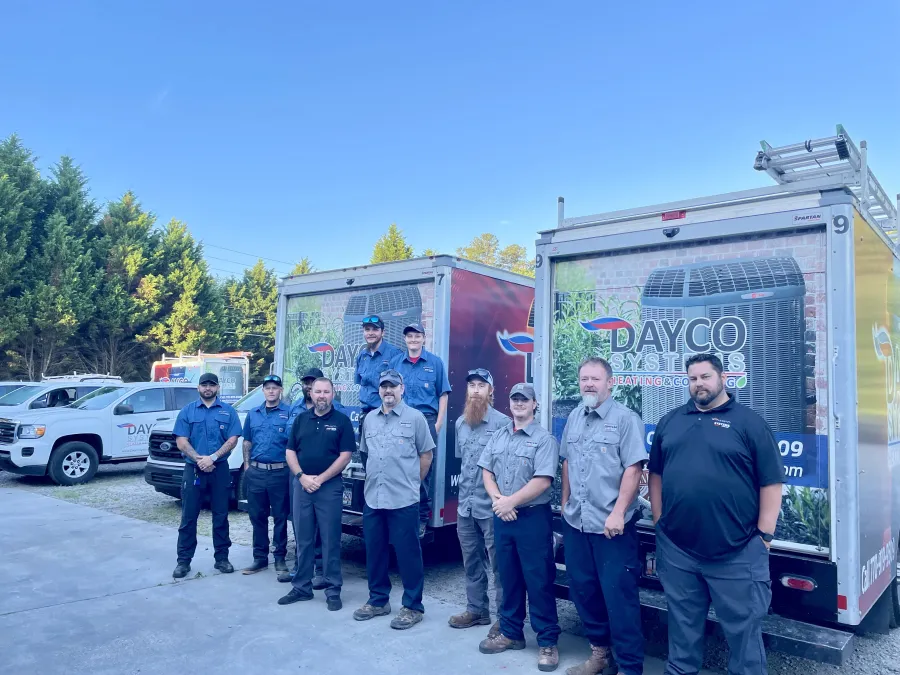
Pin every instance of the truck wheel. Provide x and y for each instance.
(240, 490)
(73, 463)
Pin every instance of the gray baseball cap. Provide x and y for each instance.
(391, 376)
(415, 326)
(523, 389)
(481, 374)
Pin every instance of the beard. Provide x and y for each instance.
(322, 407)
(590, 400)
(706, 396)
(475, 410)
(208, 396)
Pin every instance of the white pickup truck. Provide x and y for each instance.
(111, 424)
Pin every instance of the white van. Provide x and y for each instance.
(111, 424)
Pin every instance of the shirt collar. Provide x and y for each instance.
(312, 411)
(690, 408)
(602, 410)
(200, 403)
(281, 406)
(422, 356)
(397, 409)
(529, 430)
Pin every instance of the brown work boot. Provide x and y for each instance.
(468, 619)
(548, 658)
(595, 665)
(495, 629)
(499, 643)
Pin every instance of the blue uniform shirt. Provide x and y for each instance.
(368, 371)
(425, 381)
(207, 429)
(268, 430)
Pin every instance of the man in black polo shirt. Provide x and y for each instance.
(715, 491)
(319, 448)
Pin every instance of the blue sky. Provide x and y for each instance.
(304, 129)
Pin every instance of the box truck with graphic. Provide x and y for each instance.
(797, 288)
(232, 368)
(474, 316)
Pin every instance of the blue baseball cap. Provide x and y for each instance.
(417, 327)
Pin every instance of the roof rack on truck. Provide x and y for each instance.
(80, 377)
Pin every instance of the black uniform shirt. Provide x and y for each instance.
(712, 465)
(318, 440)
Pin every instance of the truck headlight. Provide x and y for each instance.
(32, 430)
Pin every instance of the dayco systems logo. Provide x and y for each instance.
(884, 352)
(137, 433)
(338, 363)
(519, 344)
(651, 355)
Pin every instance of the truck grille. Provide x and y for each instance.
(170, 452)
(161, 478)
(7, 432)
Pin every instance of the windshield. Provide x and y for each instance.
(6, 388)
(22, 394)
(99, 398)
(252, 400)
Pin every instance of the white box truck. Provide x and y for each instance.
(797, 288)
(474, 316)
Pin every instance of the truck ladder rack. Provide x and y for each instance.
(837, 158)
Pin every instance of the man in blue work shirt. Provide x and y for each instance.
(373, 359)
(266, 475)
(206, 433)
(427, 390)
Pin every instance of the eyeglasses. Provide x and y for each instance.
(372, 319)
(483, 373)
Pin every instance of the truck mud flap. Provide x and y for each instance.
(788, 636)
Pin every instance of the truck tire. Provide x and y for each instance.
(239, 490)
(73, 463)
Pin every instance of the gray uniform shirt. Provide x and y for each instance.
(516, 457)
(470, 443)
(599, 445)
(394, 442)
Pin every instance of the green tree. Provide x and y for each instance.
(391, 246)
(251, 302)
(485, 249)
(303, 267)
(429, 252)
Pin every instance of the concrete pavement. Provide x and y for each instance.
(86, 591)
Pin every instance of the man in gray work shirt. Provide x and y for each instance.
(603, 454)
(519, 467)
(398, 444)
(475, 519)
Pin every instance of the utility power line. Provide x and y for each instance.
(252, 255)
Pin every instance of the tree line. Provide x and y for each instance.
(110, 289)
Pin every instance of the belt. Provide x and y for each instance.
(429, 414)
(271, 466)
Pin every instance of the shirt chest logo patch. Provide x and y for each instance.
(724, 424)
(330, 427)
(428, 369)
(610, 427)
(530, 444)
(284, 417)
(405, 424)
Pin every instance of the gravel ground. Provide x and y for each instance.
(121, 489)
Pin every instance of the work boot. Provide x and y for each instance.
(282, 571)
(368, 611)
(499, 643)
(257, 566)
(224, 566)
(294, 596)
(468, 619)
(595, 665)
(406, 618)
(181, 570)
(548, 659)
(495, 629)
(334, 604)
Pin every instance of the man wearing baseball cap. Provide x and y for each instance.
(266, 475)
(206, 433)
(399, 447)
(426, 389)
(475, 519)
(375, 357)
(519, 466)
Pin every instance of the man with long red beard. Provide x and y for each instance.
(475, 517)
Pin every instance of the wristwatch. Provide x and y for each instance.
(766, 537)
(298, 474)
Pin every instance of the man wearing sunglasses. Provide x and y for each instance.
(427, 390)
(397, 441)
(206, 433)
(375, 357)
(475, 519)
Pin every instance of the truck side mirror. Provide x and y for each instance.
(123, 409)
(40, 403)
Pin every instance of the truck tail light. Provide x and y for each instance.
(798, 583)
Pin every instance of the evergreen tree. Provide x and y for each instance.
(391, 246)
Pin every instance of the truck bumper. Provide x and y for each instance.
(165, 477)
(27, 457)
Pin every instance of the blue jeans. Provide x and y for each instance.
(525, 561)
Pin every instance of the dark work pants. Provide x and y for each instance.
(318, 551)
(603, 575)
(426, 487)
(400, 529)
(216, 486)
(525, 560)
(740, 591)
(268, 490)
(319, 513)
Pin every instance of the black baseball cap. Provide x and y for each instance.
(274, 379)
(416, 326)
(312, 374)
(209, 378)
(373, 320)
(482, 374)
